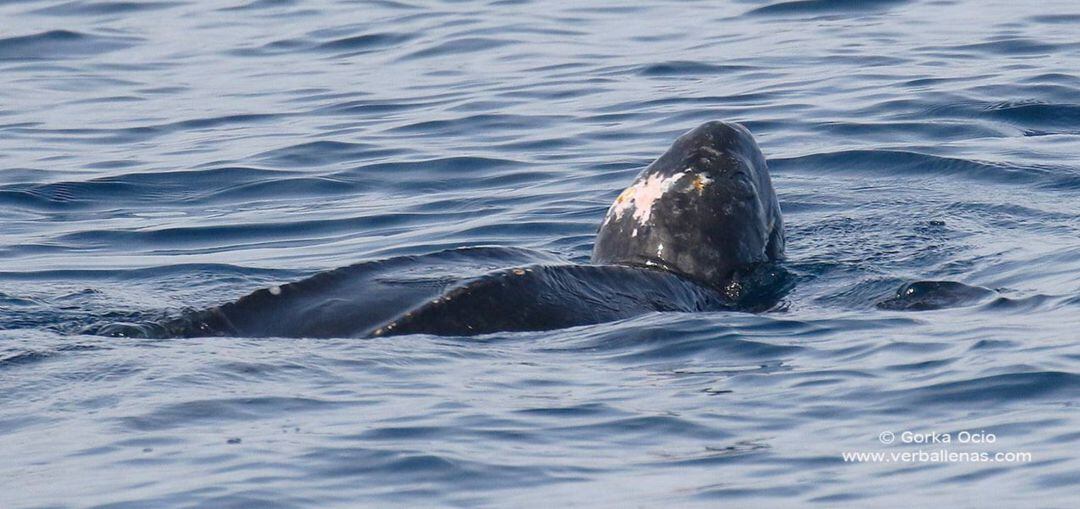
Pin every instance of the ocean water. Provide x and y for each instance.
(161, 156)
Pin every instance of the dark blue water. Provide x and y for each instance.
(157, 156)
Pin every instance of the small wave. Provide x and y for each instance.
(211, 411)
(458, 47)
(478, 124)
(22, 358)
(374, 106)
(1055, 78)
(1062, 19)
(797, 7)
(913, 131)
(385, 467)
(261, 4)
(900, 162)
(1014, 46)
(156, 273)
(104, 8)
(365, 42)
(60, 44)
(1025, 114)
(996, 390)
(235, 234)
(344, 46)
(135, 188)
(1018, 305)
(1056, 118)
(324, 152)
(441, 167)
(673, 336)
(121, 135)
(688, 68)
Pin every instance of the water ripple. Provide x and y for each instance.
(60, 44)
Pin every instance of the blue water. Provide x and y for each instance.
(157, 156)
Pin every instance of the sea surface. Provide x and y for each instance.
(168, 155)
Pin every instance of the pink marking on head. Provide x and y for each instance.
(642, 195)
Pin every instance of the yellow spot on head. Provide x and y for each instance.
(519, 272)
(700, 181)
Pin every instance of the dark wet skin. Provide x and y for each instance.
(717, 213)
(699, 229)
(367, 299)
(717, 219)
(719, 224)
(931, 295)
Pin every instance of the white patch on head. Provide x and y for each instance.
(642, 195)
(660, 250)
(275, 290)
(634, 234)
